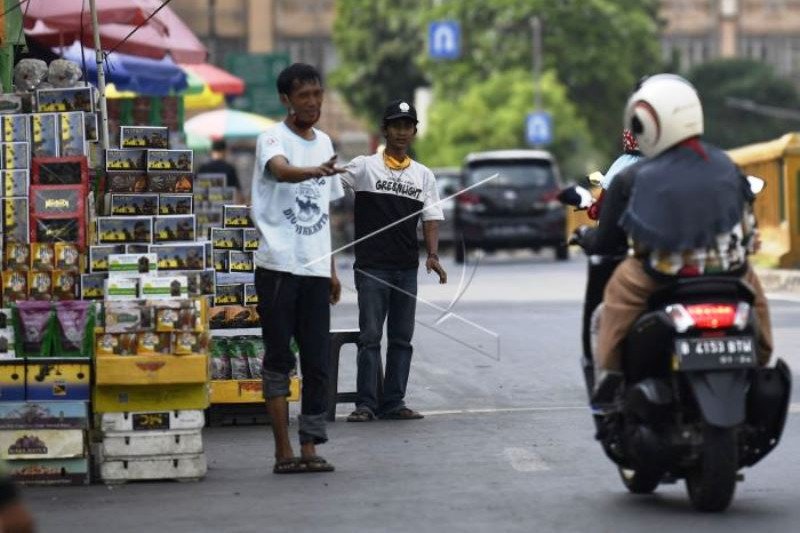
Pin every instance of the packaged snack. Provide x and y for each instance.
(44, 134)
(65, 99)
(127, 160)
(59, 170)
(169, 160)
(144, 137)
(239, 366)
(187, 343)
(128, 317)
(173, 228)
(15, 182)
(221, 260)
(42, 256)
(67, 256)
(14, 128)
(15, 155)
(175, 204)
(250, 294)
(251, 239)
(133, 204)
(241, 261)
(150, 343)
(40, 286)
(170, 183)
(116, 344)
(15, 219)
(229, 294)
(255, 357)
(72, 319)
(73, 135)
(236, 216)
(65, 285)
(34, 325)
(167, 319)
(15, 286)
(227, 238)
(220, 362)
(123, 230)
(126, 182)
(17, 256)
(93, 286)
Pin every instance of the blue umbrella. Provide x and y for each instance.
(152, 77)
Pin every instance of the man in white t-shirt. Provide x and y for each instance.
(294, 181)
(392, 191)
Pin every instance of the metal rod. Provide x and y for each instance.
(101, 77)
(536, 25)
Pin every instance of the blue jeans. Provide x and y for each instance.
(385, 296)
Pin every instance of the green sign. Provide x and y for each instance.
(260, 73)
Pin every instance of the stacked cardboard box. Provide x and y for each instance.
(151, 386)
(44, 392)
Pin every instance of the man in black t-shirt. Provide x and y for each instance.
(219, 165)
(392, 193)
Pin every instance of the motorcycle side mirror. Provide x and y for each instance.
(756, 184)
(576, 196)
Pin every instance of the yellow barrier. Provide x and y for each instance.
(777, 207)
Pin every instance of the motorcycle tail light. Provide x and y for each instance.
(712, 316)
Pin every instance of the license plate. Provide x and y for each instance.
(147, 421)
(505, 231)
(714, 354)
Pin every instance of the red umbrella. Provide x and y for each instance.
(66, 14)
(165, 33)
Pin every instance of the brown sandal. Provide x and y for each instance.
(404, 413)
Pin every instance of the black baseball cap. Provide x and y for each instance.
(400, 109)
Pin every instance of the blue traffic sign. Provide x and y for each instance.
(444, 39)
(539, 128)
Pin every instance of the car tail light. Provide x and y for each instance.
(470, 202)
(709, 316)
(550, 199)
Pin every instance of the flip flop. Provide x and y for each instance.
(404, 413)
(361, 415)
(316, 464)
(289, 466)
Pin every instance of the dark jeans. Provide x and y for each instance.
(385, 296)
(296, 306)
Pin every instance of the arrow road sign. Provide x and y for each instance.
(444, 39)
(539, 128)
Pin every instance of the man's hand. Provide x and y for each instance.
(329, 168)
(578, 235)
(433, 264)
(336, 290)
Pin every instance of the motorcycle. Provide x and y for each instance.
(694, 404)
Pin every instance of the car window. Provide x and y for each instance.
(513, 173)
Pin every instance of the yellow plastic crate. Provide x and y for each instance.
(247, 391)
(151, 369)
(126, 398)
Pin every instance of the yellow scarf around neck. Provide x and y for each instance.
(394, 164)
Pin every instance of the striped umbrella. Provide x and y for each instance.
(227, 124)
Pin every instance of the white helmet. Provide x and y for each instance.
(664, 110)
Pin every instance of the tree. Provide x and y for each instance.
(489, 115)
(599, 48)
(729, 127)
(377, 42)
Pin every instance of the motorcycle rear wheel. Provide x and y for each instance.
(640, 481)
(712, 483)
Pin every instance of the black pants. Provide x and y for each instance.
(596, 281)
(296, 306)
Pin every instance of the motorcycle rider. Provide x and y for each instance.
(602, 266)
(687, 210)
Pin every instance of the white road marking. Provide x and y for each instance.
(488, 411)
(525, 460)
(794, 408)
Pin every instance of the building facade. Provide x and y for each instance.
(696, 31)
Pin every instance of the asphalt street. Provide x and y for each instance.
(506, 444)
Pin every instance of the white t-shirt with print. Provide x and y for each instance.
(293, 218)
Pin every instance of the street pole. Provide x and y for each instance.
(536, 25)
(101, 77)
